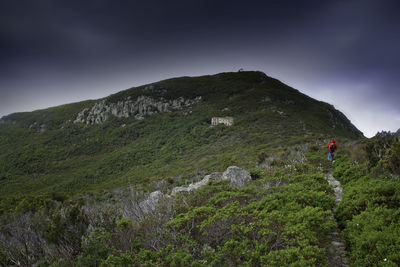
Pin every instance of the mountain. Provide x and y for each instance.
(106, 182)
(162, 131)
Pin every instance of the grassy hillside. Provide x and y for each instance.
(44, 151)
(282, 217)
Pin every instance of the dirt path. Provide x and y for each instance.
(336, 250)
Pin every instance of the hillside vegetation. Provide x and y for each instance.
(369, 213)
(44, 151)
(72, 194)
(281, 218)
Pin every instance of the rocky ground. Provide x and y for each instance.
(337, 249)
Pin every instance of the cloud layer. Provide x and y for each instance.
(342, 52)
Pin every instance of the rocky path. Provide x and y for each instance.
(337, 252)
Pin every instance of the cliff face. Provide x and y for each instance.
(137, 108)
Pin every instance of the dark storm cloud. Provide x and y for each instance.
(54, 52)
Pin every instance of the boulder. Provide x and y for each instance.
(237, 176)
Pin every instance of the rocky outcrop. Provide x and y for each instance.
(238, 177)
(195, 186)
(138, 108)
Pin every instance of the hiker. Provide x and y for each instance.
(331, 146)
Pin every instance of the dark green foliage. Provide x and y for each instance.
(369, 212)
(366, 193)
(95, 248)
(258, 226)
(391, 160)
(59, 180)
(283, 216)
(346, 170)
(374, 237)
(4, 261)
(51, 118)
(255, 173)
(123, 260)
(381, 145)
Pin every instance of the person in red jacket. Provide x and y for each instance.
(331, 146)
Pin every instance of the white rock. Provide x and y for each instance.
(237, 176)
(139, 108)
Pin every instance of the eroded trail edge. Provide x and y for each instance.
(337, 251)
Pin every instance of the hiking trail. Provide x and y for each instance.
(337, 250)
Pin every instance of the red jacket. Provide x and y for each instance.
(328, 146)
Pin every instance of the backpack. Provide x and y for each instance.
(332, 147)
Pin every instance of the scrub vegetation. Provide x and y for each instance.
(370, 211)
(71, 193)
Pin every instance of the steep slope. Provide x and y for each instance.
(161, 131)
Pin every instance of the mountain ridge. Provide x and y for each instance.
(154, 89)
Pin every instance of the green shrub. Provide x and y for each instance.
(295, 256)
(364, 193)
(391, 160)
(95, 248)
(123, 259)
(369, 212)
(179, 259)
(124, 223)
(145, 257)
(4, 261)
(346, 170)
(374, 237)
(261, 157)
(253, 226)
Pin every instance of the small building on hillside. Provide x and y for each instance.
(228, 121)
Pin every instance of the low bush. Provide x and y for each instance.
(369, 212)
(391, 160)
(374, 237)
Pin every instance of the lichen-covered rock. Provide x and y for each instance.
(214, 176)
(237, 176)
(179, 189)
(139, 108)
(197, 185)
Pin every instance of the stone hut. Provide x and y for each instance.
(228, 121)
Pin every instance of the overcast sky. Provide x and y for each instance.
(344, 52)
